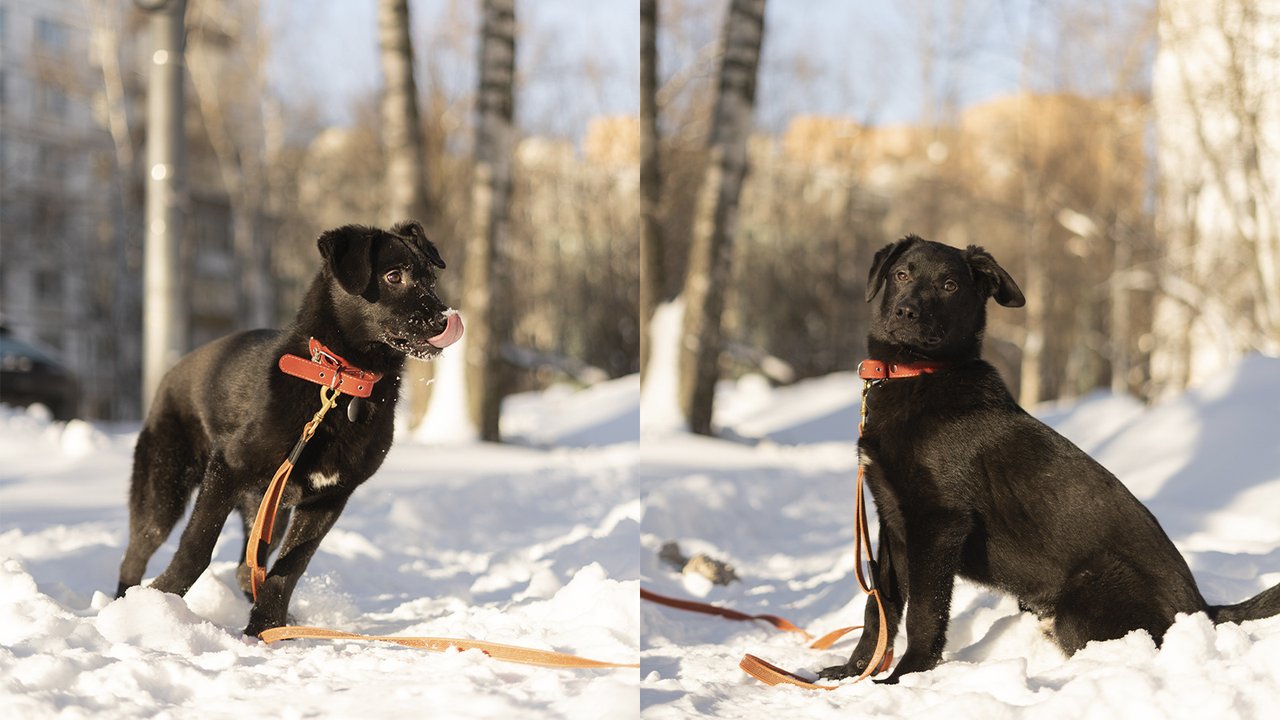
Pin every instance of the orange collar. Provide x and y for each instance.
(876, 370)
(329, 369)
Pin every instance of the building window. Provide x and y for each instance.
(51, 163)
(53, 36)
(52, 101)
(49, 288)
(48, 221)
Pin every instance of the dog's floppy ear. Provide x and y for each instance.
(412, 229)
(885, 258)
(347, 251)
(992, 279)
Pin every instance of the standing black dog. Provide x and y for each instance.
(226, 415)
(967, 483)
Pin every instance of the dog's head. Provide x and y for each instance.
(384, 288)
(935, 296)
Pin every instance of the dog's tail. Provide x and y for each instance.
(1263, 605)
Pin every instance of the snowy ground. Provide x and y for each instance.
(1208, 465)
(543, 543)
(521, 545)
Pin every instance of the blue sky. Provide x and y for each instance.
(576, 58)
(579, 58)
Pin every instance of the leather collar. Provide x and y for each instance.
(329, 369)
(877, 370)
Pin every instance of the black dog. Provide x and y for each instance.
(225, 416)
(967, 483)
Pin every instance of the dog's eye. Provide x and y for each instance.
(394, 277)
(902, 276)
(950, 286)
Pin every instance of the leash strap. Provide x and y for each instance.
(871, 372)
(264, 523)
(334, 375)
(780, 623)
(881, 658)
(497, 651)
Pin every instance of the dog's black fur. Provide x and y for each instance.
(967, 483)
(225, 416)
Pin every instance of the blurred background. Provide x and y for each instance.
(291, 126)
(1120, 158)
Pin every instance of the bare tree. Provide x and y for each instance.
(403, 152)
(1215, 109)
(401, 127)
(651, 247)
(488, 317)
(716, 220)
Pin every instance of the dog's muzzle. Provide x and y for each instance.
(451, 334)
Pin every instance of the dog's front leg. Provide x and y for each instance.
(195, 547)
(310, 523)
(888, 579)
(933, 559)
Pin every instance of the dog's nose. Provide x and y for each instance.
(906, 311)
(435, 323)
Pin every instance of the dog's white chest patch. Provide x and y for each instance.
(321, 480)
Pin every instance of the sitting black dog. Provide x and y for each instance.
(227, 414)
(967, 483)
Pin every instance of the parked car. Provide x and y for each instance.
(29, 375)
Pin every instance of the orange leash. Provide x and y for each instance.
(498, 651)
(255, 555)
(260, 543)
(882, 658)
(780, 623)
(771, 674)
(729, 614)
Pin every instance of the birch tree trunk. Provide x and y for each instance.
(406, 175)
(404, 154)
(489, 316)
(715, 222)
(651, 245)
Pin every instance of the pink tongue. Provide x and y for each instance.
(452, 333)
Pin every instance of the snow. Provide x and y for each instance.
(544, 543)
(778, 505)
(520, 545)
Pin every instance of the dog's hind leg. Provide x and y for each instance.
(214, 503)
(158, 492)
(1107, 598)
(249, 503)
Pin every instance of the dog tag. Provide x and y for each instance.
(357, 410)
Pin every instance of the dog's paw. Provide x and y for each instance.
(838, 672)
